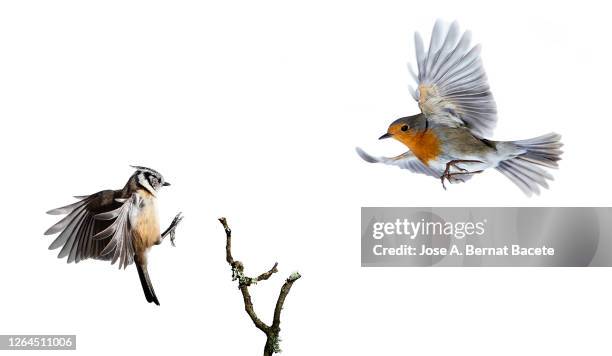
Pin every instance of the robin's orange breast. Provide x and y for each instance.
(424, 145)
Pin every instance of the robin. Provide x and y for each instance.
(116, 225)
(448, 140)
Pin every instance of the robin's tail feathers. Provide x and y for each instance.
(147, 287)
(542, 150)
(525, 170)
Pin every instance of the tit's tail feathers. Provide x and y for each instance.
(525, 170)
(147, 287)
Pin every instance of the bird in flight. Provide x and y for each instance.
(115, 225)
(450, 138)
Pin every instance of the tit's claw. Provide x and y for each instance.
(177, 219)
(172, 228)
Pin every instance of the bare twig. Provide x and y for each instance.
(272, 331)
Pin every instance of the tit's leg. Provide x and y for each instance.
(171, 230)
(453, 163)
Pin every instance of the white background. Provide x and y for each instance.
(252, 110)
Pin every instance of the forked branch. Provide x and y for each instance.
(244, 282)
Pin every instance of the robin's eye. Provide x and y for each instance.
(405, 128)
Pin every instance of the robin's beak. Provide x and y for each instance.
(387, 135)
(166, 184)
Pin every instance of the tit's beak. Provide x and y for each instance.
(387, 135)
(166, 184)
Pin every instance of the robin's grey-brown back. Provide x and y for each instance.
(116, 225)
(449, 139)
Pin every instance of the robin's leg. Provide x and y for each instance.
(171, 230)
(447, 174)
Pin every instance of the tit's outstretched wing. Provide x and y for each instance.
(121, 245)
(452, 84)
(409, 161)
(78, 228)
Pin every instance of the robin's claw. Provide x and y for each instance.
(457, 175)
(442, 180)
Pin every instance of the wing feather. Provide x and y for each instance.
(68, 208)
(452, 80)
(65, 226)
(63, 223)
(409, 161)
(78, 228)
(73, 229)
(109, 215)
(420, 54)
(106, 233)
(453, 58)
(434, 45)
(120, 247)
(82, 240)
(78, 237)
(450, 42)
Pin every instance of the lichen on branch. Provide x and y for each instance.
(244, 282)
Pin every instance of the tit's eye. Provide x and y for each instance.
(405, 128)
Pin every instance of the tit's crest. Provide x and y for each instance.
(149, 179)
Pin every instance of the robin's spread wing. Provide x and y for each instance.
(409, 161)
(452, 83)
(121, 246)
(78, 228)
(406, 160)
